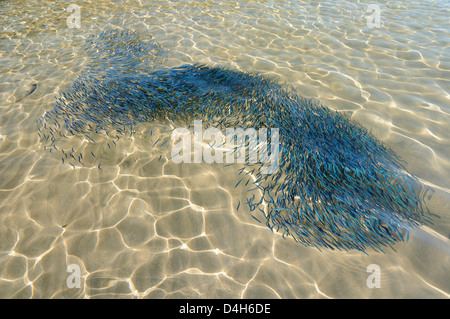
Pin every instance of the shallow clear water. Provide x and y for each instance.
(141, 227)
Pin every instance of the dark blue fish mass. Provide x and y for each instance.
(337, 186)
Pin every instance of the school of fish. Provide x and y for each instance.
(337, 185)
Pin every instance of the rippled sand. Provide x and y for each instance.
(147, 227)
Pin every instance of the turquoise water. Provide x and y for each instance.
(144, 228)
